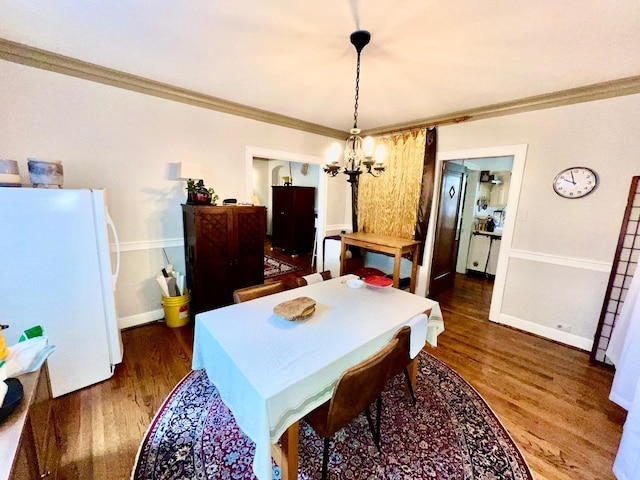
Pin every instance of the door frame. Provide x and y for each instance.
(519, 154)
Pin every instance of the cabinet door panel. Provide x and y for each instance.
(305, 219)
(250, 227)
(214, 258)
(283, 227)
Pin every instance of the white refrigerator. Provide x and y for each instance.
(56, 271)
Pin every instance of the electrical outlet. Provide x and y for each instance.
(564, 327)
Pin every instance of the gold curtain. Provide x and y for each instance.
(388, 205)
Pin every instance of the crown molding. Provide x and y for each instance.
(588, 93)
(46, 60)
(43, 59)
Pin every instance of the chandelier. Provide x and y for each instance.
(358, 152)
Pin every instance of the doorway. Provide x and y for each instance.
(473, 161)
(447, 236)
(267, 167)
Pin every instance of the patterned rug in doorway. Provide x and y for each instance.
(274, 267)
(451, 433)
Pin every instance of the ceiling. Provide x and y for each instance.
(294, 58)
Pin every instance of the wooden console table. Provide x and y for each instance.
(398, 247)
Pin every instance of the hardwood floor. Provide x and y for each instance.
(552, 401)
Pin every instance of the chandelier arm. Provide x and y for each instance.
(375, 170)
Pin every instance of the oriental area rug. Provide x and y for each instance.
(451, 433)
(274, 267)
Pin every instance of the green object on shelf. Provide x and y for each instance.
(31, 333)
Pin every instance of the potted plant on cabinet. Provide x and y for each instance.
(199, 194)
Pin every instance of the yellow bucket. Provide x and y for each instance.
(176, 309)
(3, 346)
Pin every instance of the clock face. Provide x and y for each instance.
(575, 182)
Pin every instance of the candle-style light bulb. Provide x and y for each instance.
(380, 154)
(368, 146)
(333, 153)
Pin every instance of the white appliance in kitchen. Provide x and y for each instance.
(56, 271)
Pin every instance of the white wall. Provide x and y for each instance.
(130, 143)
(562, 249)
(261, 181)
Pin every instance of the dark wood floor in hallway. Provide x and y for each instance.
(547, 395)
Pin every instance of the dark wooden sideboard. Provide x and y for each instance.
(293, 219)
(224, 251)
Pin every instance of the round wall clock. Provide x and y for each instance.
(575, 182)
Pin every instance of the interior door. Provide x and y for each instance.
(443, 264)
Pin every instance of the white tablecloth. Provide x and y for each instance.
(271, 372)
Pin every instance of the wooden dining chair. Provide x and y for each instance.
(400, 358)
(302, 281)
(356, 389)
(256, 291)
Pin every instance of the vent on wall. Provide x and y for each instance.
(624, 267)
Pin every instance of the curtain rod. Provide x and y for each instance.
(421, 126)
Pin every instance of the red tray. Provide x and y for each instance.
(378, 281)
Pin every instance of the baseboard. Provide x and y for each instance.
(547, 332)
(140, 319)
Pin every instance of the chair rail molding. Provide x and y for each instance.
(562, 260)
(148, 244)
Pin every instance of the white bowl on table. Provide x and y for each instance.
(354, 283)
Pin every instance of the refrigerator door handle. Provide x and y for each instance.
(114, 276)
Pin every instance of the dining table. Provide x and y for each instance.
(270, 372)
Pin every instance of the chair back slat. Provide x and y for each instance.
(256, 291)
(301, 281)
